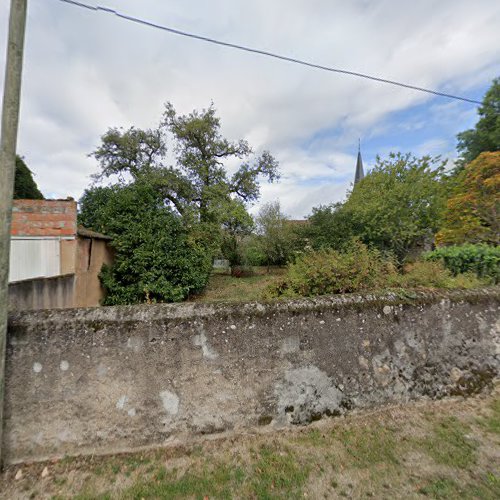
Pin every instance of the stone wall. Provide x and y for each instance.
(120, 378)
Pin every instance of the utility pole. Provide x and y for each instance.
(10, 121)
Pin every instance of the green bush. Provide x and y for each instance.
(481, 259)
(431, 274)
(157, 258)
(328, 271)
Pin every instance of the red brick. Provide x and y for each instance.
(44, 218)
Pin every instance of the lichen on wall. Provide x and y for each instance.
(119, 378)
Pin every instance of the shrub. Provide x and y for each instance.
(157, 258)
(432, 274)
(481, 259)
(328, 271)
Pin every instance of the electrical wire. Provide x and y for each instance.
(150, 24)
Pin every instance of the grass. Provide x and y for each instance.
(491, 423)
(212, 482)
(445, 449)
(223, 287)
(486, 488)
(373, 446)
(449, 445)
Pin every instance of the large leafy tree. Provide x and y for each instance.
(24, 185)
(157, 258)
(473, 211)
(197, 185)
(399, 204)
(485, 136)
(330, 226)
(168, 220)
(395, 208)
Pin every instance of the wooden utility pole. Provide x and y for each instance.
(10, 121)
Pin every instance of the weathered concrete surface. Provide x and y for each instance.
(119, 378)
(42, 293)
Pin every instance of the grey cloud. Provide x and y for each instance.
(85, 72)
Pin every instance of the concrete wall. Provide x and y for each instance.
(42, 293)
(91, 255)
(119, 378)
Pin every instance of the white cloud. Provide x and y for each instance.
(87, 71)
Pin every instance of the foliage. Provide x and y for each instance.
(328, 271)
(93, 208)
(238, 224)
(156, 258)
(395, 208)
(252, 251)
(399, 204)
(481, 259)
(330, 226)
(485, 136)
(473, 211)
(192, 210)
(275, 234)
(422, 274)
(198, 185)
(24, 185)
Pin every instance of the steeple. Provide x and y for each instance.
(359, 165)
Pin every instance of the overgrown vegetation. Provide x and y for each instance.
(157, 258)
(481, 259)
(329, 271)
(404, 206)
(188, 207)
(395, 209)
(472, 213)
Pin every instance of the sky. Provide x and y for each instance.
(86, 71)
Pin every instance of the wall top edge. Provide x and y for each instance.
(192, 310)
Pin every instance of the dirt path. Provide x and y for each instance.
(433, 449)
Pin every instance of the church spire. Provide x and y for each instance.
(359, 165)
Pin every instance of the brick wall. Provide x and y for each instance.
(44, 218)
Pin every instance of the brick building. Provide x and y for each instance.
(54, 263)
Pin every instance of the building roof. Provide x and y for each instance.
(88, 233)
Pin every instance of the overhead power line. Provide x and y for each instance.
(133, 19)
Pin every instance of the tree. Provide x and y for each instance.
(395, 208)
(399, 204)
(171, 218)
(198, 185)
(157, 258)
(473, 211)
(485, 136)
(330, 226)
(275, 234)
(236, 227)
(24, 185)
